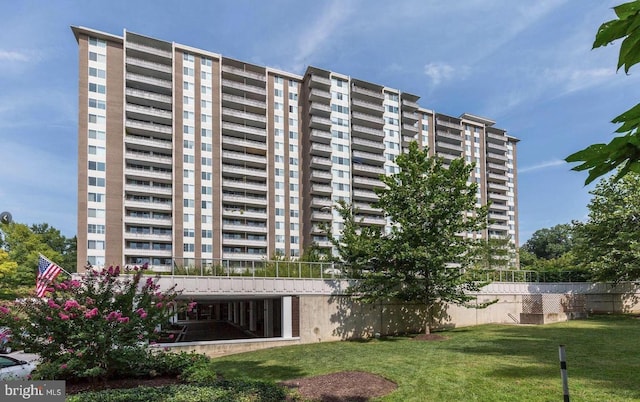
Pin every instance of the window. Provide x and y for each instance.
(278, 106)
(188, 57)
(94, 150)
(206, 161)
(188, 71)
(189, 203)
(95, 244)
(340, 160)
(93, 118)
(294, 200)
(294, 226)
(293, 96)
(207, 234)
(293, 161)
(207, 248)
(186, 144)
(206, 190)
(205, 104)
(392, 109)
(101, 89)
(98, 135)
(293, 187)
(391, 120)
(206, 175)
(188, 100)
(205, 61)
(188, 129)
(279, 211)
(293, 135)
(96, 197)
(279, 238)
(188, 173)
(97, 72)
(99, 229)
(293, 174)
(205, 89)
(187, 86)
(100, 58)
(205, 76)
(99, 166)
(295, 240)
(279, 159)
(97, 42)
(96, 213)
(206, 133)
(339, 108)
(277, 79)
(279, 185)
(280, 225)
(205, 147)
(188, 188)
(189, 159)
(189, 247)
(98, 104)
(206, 118)
(294, 213)
(277, 92)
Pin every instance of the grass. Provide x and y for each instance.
(484, 363)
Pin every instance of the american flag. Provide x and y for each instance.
(47, 272)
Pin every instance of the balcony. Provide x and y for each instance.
(365, 195)
(318, 202)
(498, 147)
(241, 171)
(164, 69)
(321, 175)
(148, 205)
(497, 166)
(148, 174)
(366, 182)
(141, 189)
(448, 124)
(149, 157)
(367, 120)
(367, 145)
(144, 113)
(320, 149)
(448, 147)
(234, 87)
(149, 98)
(449, 137)
(244, 185)
(409, 105)
(320, 122)
(148, 143)
(148, 237)
(253, 159)
(148, 128)
(321, 216)
(244, 73)
(242, 103)
(372, 220)
(319, 95)
(165, 54)
(245, 199)
(367, 170)
(496, 186)
(410, 117)
(317, 81)
(243, 242)
(148, 221)
(367, 157)
(242, 227)
(499, 138)
(321, 136)
(496, 157)
(498, 217)
(242, 213)
(365, 207)
(240, 130)
(320, 162)
(499, 207)
(367, 133)
(497, 177)
(321, 189)
(367, 94)
(144, 252)
(152, 84)
(496, 196)
(242, 117)
(498, 226)
(320, 109)
(244, 256)
(367, 107)
(240, 144)
(409, 129)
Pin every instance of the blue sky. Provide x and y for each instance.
(527, 65)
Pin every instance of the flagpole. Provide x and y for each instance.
(61, 269)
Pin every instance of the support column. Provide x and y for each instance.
(252, 315)
(243, 320)
(268, 318)
(287, 327)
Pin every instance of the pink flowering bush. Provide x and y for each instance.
(97, 327)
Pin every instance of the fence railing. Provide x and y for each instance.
(336, 270)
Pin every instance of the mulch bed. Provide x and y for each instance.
(352, 386)
(343, 386)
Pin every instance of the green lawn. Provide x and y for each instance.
(485, 363)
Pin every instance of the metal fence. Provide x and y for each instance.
(335, 270)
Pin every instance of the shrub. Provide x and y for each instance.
(96, 327)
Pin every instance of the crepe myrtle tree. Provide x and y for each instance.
(98, 326)
(426, 257)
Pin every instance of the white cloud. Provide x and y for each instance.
(319, 33)
(440, 72)
(542, 165)
(6, 55)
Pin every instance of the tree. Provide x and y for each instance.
(496, 253)
(608, 244)
(622, 152)
(96, 327)
(550, 243)
(424, 257)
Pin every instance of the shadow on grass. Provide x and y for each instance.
(259, 370)
(597, 349)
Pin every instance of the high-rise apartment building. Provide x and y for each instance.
(188, 157)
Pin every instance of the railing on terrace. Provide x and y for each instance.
(336, 270)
